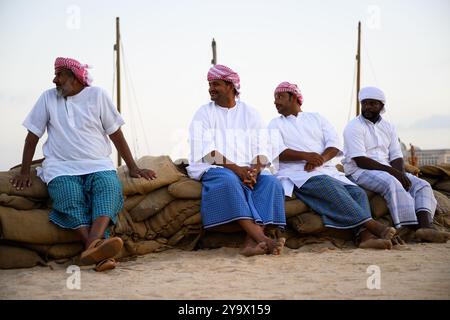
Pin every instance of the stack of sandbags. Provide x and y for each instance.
(438, 176)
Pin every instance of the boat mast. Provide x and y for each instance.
(358, 69)
(117, 49)
(214, 59)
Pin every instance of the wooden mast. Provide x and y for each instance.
(117, 49)
(214, 59)
(358, 69)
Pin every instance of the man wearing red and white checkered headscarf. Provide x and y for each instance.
(228, 155)
(292, 88)
(82, 181)
(221, 72)
(304, 143)
(79, 70)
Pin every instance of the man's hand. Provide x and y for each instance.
(142, 173)
(21, 181)
(246, 174)
(406, 183)
(314, 159)
(309, 167)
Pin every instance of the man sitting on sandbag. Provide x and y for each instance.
(305, 142)
(228, 159)
(374, 160)
(81, 177)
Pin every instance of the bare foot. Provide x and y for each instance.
(249, 250)
(388, 233)
(431, 235)
(376, 244)
(275, 246)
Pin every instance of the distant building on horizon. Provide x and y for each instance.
(419, 157)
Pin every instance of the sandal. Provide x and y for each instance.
(106, 264)
(101, 249)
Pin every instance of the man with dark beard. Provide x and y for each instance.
(373, 159)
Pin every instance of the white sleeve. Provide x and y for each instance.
(277, 145)
(109, 116)
(330, 136)
(395, 150)
(36, 121)
(259, 137)
(201, 136)
(354, 141)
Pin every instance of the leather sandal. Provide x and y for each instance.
(106, 264)
(101, 249)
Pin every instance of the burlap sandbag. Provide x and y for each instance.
(186, 189)
(168, 221)
(20, 203)
(195, 219)
(124, 224)
(443, 186)
(442, 170)
(295, 207)
(151, 204)
(57, 251)
(186, 238)
(443, 203)
(38, 188)
(378, 206)
(144, 247)
(306, 223)
(15, 257)
(132, 201)
(412, 169)
(165, 170)
(32, 226)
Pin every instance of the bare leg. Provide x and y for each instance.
(369, 241)
(380, 230)
(83, 234)
(98, 228)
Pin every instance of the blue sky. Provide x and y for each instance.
(406, 52)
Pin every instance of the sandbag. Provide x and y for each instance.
(214, 240)
(186, 189)
(132, 201)
(306, 223)
(38, 188)
(15, 257)
(195, 219)
(186, 238)
(165, 170)
(378, 206)
(442, 170)
(443, 203)
(443, 186)
(32, 226)
(168, 221)
(412, 169)
(295, 207)
(144, 247)
(124, 224)
(20, 203)
(57, 251)
(151, 204)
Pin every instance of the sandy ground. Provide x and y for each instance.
(318, 271)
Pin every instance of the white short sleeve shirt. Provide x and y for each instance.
(77, 128)
(363, 138)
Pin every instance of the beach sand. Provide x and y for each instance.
(319, 271)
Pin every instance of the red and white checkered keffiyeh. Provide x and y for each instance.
(292, 88)
(220, 72)
(78, 69)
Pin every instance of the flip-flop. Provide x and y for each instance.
(101, 249)
(106, 264)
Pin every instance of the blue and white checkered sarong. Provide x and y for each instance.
(225, 199)
(79, 200)
(403, 205)
(341, 206)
